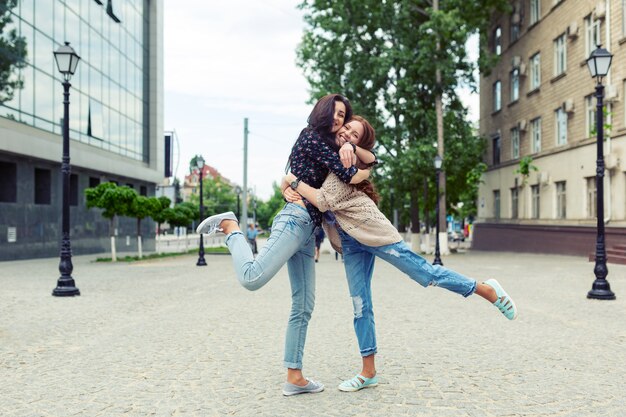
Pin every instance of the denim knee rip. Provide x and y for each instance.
(393, 252)
(357, 302)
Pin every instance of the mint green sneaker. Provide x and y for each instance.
(358, 383)
(505, 303)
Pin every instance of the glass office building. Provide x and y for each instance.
(115, 118)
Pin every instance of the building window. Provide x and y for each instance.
(560, 118)
(534, 191)
(43, 186)
(497, 41)
(535, 71)
(515, 84)
(593, 35)
(515, 26)
(94, 182)
(8, 182)
(515, 143)
(496, 150)
(514, 203)
(591, 197)
(496, 204)
(143, 190)
(497, 95)
(560, 55)
(561, 200)
(535, 11)
(591, 115)
(73, 189)
(535, 134)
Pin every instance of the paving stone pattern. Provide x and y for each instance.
(167, 338)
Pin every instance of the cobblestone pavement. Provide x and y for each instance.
(167, 338)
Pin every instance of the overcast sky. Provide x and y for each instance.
(227, 60)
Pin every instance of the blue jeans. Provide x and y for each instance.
(292, 242)
(359, 264)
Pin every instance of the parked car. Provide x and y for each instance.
(456, 236)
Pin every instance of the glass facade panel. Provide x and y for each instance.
(107, 95)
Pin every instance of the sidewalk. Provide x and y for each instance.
(167, 338)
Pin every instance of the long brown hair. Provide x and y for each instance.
(367, 141)
(321, 120)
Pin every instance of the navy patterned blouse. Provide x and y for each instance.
(312, 158)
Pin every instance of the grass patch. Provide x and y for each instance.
(207, 251)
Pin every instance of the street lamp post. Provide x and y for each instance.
(201, 260)
(599, 63)
(67, 61)
(438, 163)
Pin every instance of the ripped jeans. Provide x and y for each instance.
(359, 264)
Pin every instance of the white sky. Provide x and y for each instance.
(227, 60)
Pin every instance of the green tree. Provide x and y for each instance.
(12, 52)
(158, 215)
(218, 197)
(115, 201)
(266, 211)
(384, 57)
(140, 208)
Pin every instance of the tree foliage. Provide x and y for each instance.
(12, 52)
(383, 56)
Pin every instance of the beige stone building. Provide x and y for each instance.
(538, 101)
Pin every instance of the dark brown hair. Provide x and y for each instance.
(322, 118)
(366, 141)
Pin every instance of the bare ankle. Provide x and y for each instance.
(229, 226)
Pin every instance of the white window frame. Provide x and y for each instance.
(497, 40)
(515, 143)
(592, 191)
(535, 132)
(593, 34)
(561, 200)
(560, 123)
(514, 203)
(535, 11)
(514, 84)
(535, 201)
(535, 71)
(560, 55)
(497, 96)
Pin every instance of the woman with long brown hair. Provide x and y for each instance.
(356, 226)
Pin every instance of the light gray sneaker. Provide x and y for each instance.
(211, 224)
(312, 387)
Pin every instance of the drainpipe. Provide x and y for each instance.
(609, 120)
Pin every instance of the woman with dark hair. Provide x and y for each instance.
(355, 225)
(291, 241)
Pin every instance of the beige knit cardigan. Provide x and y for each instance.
(356, 213)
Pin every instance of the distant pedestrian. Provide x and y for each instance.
(251, 234)
(319, 238)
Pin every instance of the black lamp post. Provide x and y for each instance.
(67, 61)
(438, 163)
(599, 63)
(201, 260)
(238, 191)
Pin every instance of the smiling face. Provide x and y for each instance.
(339, 116)
(350, 132)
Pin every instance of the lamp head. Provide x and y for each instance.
(67, 60)
(599, 62)
(438, 162)
(200, 162)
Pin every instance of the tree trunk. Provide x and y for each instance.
(112, 234)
